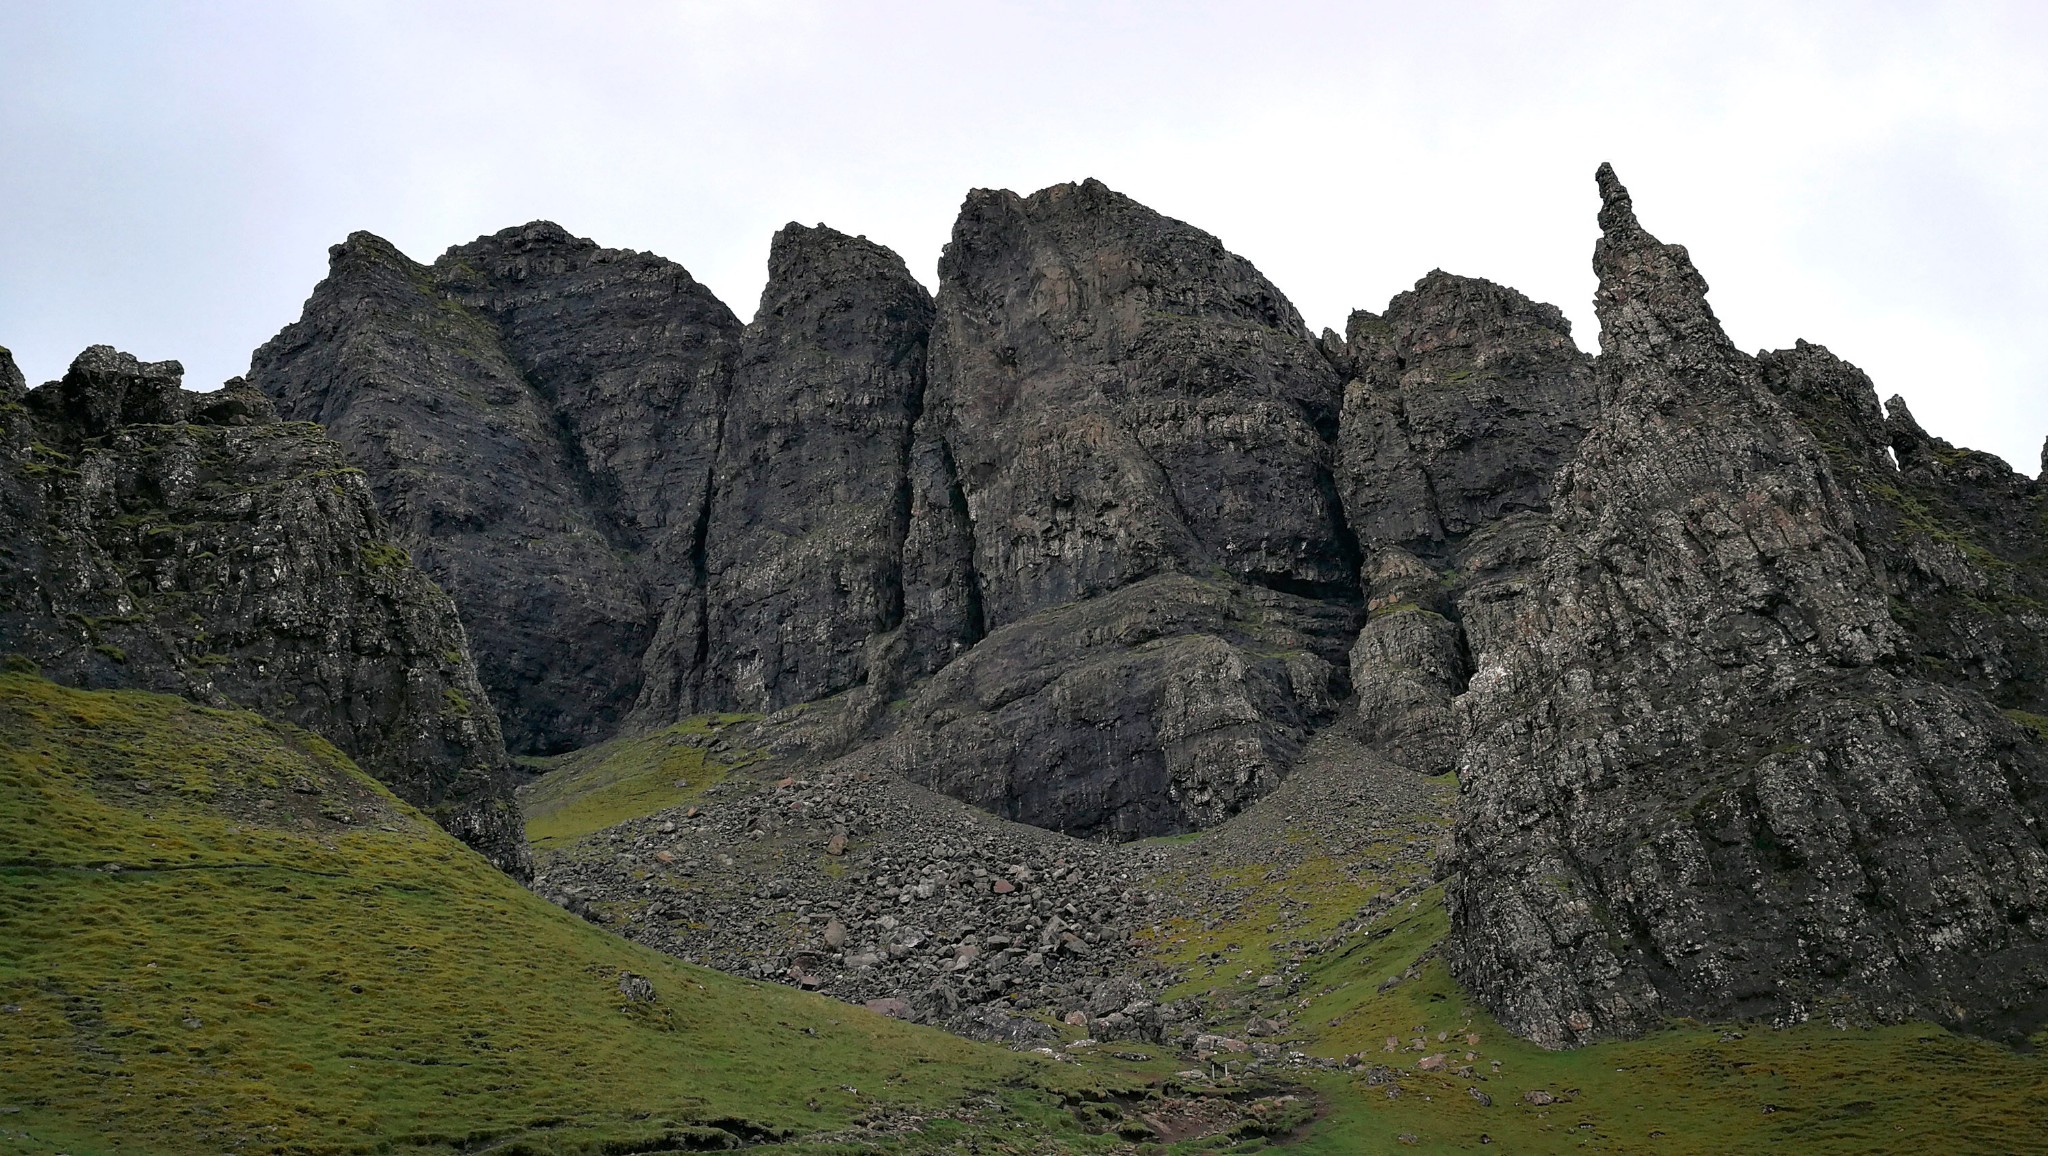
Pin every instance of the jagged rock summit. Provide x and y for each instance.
(192, 543)
(1741, 673)
(1711, 767)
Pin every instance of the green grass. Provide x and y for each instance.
(2033, 722)
(287, 958)
(1690, 1088)
(586, 791)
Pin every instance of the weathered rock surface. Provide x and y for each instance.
(1706, 775)
(810, 505)
(1959, 533)
(194, 544)
(1165, 706)
(1465, 398)
(1113, 395)
(1124, 461)
(478, 477)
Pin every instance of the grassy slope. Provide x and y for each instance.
(601, 786)
(1688, 1089)
(262, 975)
(1691, 1088)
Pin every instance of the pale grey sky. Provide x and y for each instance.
(1865, 175)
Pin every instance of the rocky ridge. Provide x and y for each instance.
(1741, 673)
(192, 543)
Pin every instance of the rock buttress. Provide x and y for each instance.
(1121, 484)
(194, 544)
(1705, 777)
(803, 551)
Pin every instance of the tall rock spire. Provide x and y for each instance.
(1701, 777)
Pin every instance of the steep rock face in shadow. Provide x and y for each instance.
(1124, 451)
(194, 544)
(1114, 395)
(1705, 775)
(1167, 705)
(478, 475)
(810, 502)
(1465, 397)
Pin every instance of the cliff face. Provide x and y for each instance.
(195, 544)
(1118, 396)
(1706, 772)
(1743, 675)
(480, 479)
(802, 550)
(1465, 398)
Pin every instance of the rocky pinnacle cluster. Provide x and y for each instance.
(1742, 674)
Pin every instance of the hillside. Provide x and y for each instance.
(1298, 946)
(217, 935)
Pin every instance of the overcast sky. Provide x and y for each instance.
(1869, 175)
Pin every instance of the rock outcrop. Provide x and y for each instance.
(1167, 705)
(1464, 400)
(1123, 501)
(1706, 772)
(195, 544)
(802, 552)
(1115, 395)
(477, 478)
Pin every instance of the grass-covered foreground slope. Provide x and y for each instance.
(1423, 1047)
(217, 935)
(588, 790)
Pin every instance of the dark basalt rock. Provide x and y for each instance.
(194, 544)
(472, 469)
(1958, 532)
(538, 417)
(1124, 459)
(810, 504)
(1164, 706)
(1113, 395)
(1705, 774)
(1465, 398)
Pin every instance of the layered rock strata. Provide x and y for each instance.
(480, 478)
(633, 501)
(194, 544)
(1705, 774)
(1123, 501)
(1465, 398)
(810, 503)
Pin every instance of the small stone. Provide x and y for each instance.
(1433, 1063)
(1485, 1101)
(1269, 981)
(835, 934)
(1003, 887)
(1538, 1097)
(836, 845)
